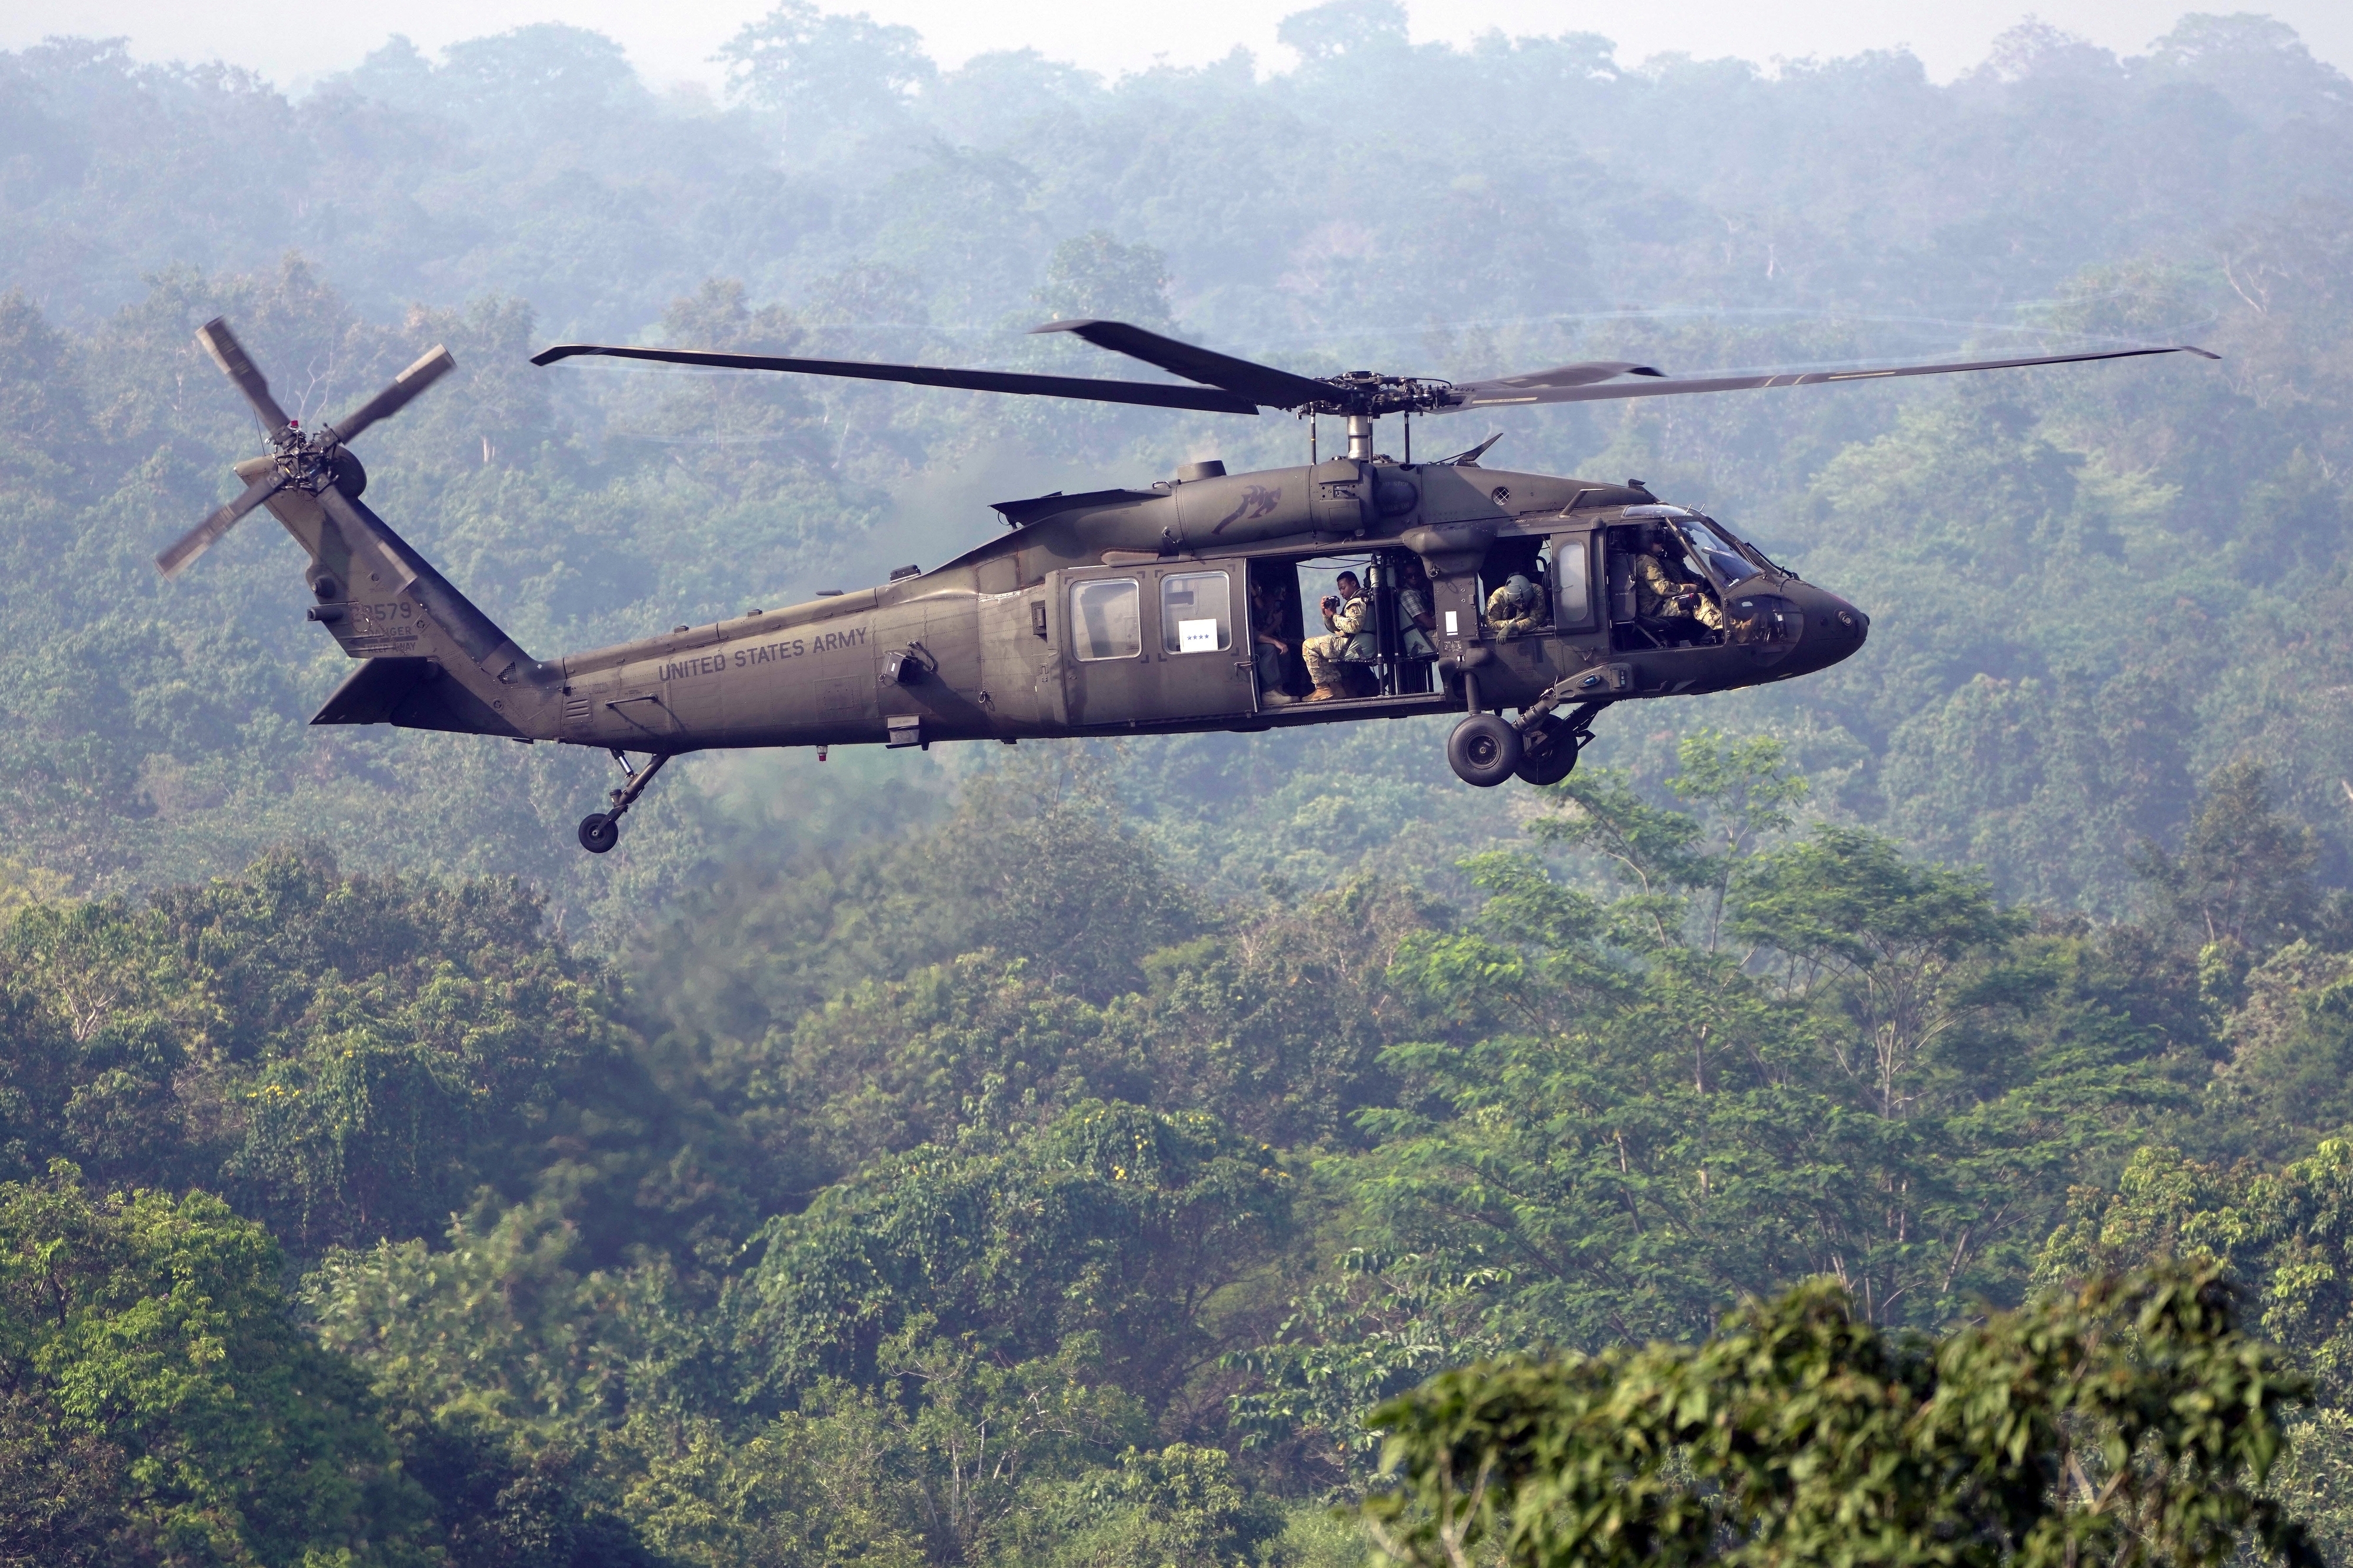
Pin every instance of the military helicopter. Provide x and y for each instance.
(1117, 612)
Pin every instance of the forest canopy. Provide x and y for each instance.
(1112, 1239)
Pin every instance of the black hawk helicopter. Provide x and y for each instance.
(1173, 608)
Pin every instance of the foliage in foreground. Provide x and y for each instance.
(2130, 1422)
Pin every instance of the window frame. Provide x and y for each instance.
(1171, 633)
(1589, 615)
(1081, 636)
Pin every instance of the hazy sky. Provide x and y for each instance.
(671, 41)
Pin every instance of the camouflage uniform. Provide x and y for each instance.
(1657, 596)
(1324, 655)
(1515, 609)
(1412, 604)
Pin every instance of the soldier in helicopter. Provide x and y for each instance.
(1270, 646)
(1665, 592)
(1517, 606)
(1346, 613)
(1416, 624)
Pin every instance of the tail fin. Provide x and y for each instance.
(434, 661)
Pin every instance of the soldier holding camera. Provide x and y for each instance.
(1346, 613)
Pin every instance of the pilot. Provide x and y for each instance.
(1515, 608)
(1420, 621)
(1268, 649)
(1347, 613)
(1663, 593)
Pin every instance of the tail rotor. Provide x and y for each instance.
(315, 463)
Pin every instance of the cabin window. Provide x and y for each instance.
(1104, 619)
(1195, 612)
(1572, 582)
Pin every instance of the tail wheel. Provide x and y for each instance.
(598, 833)
(1548, 753)
(1485, 749)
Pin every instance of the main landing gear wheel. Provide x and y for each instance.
(1548, 752)
(1485, 749)
(598, 833)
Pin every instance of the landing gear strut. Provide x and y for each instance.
(600, 831)
(1549, 743)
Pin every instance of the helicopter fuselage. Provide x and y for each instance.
(1130, 612)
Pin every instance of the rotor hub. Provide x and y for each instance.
(306, 461)
(1369, 395)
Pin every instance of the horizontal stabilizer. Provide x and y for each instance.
(414, 694)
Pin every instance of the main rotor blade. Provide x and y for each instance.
(1149, 394)
(430, 367)
(1583, 374)
(230, 355)
(1259, 383)
(1506, 390)
(205, 534)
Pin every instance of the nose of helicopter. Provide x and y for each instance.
(1834, 629)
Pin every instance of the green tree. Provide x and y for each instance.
(1860, 931)
(2243, 876)
(505, 1323)
(832, 79)
(1889, 1085)
(349, 1056)
(2282, 1232)
(509, 1374)
(160, 1404)
(2132, 1422)
(1095, 276)
(1354, 1342)
(953, 1457)
(1181, 1506)
(1110, 1221)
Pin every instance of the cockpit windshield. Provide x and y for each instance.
(1728, 568)
(1701, 552)
(1732, 559)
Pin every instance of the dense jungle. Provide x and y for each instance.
(1082, 1156)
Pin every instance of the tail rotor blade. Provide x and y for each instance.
(432, 367)
(230, 355)
(202, 537)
